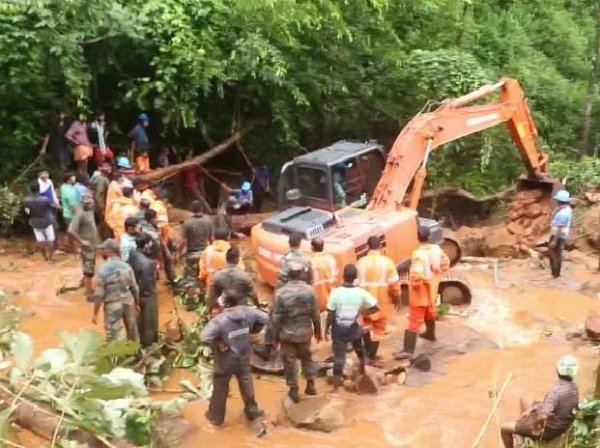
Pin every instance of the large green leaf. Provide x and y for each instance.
(22, 350)
(82, 348)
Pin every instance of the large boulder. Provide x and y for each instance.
(321, 413)
(590, 226)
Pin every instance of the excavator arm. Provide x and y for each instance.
(455, 119)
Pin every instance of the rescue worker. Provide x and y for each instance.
(214, 258)
(428, 264)
(117, 290)
(100, 187)
(122, 208)
(114, 192)
(160, 205)
(144, 269)
(547, 420)
(560, 226)
(378, 275)
(295, 239)
(127, 242)
(83, 230)
(143, 205)
(150, 226)
(294, 322)
(232, 278)
(124, 167)
(325, 272)
(197, 235)
(230, 332)
(344, 310)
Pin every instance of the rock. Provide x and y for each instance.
(321, 413)
(471, 241)
(590, 287)
(368, 383)
(349, 385)
(590, 226)
(592, 326)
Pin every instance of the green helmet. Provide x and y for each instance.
(567, 366)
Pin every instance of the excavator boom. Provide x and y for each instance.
(454, 119)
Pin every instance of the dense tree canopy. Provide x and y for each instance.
(302, 72)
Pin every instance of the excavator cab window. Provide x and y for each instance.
(314, 186)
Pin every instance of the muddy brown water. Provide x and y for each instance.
(526, 319)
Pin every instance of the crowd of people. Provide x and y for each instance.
(359, 299)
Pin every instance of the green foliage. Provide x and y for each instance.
(578, 175)
(303, 73)
(10, 208)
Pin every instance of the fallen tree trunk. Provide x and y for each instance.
(44, 423)
(169, 171)
(240, 223)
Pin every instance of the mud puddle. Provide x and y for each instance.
(527, 320)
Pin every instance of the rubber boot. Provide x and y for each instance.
(263, 351)
(429, 332)
(294, 394)
(311, 388)
(337, 382)
(373, 360)
(410, 342)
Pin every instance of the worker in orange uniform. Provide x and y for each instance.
(428, 264)
(325, 273)
(213, 258)
(122, 208)
(378, 275)
(114, 192)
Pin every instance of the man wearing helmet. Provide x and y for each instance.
(561, 223)
(242, 198)
(549, 419)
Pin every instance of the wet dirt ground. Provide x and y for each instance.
(527, 314)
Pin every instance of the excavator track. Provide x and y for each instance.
(455, 289)
(450, 244)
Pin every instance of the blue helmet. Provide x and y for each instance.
(123, 162)
(246, 186)
(562, 196)
(143, 117)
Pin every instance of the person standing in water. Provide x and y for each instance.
(560, 226)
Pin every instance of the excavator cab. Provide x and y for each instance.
(331, 178)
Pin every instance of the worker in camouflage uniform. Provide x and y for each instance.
(294, 321)
(232, 278)
(144, 269)
(197, 233)
(229, 333)
(295, 255)
(117, 290)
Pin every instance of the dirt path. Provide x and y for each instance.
(527, 316)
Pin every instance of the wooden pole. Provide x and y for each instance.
(493, 411)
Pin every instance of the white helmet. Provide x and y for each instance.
(567, 366)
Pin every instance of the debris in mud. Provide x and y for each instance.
(322, 413)
(592, 326)
(527, 223)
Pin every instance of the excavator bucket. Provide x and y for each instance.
(544, 184)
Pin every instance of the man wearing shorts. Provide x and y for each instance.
(40, 211)
(83, 229)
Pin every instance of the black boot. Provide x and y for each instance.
(311, 389)
(429, 332)
(337, 382)
(263, 351)
(294, 394)
(410, 341)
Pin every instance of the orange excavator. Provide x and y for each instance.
(317, 185)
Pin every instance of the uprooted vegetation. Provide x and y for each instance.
(92, 393)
